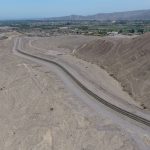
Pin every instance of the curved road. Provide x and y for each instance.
(113, 107)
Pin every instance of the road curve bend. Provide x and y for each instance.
(95, 96)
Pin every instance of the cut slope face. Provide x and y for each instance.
(39, 112)
(127, 60)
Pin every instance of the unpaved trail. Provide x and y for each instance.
(130, 126)
(42, 109)
(95, 79)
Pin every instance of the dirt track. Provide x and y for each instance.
(19, 51)
(33, 116)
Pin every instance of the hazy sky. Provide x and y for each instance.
(15, 9)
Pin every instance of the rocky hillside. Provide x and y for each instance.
(127, 60)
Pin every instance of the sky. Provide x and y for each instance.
(26, 9)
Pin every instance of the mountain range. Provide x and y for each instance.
(128, 15)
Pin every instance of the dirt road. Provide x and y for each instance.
(138, 118)
(82, 95)
(42, 109)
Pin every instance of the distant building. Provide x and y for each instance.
(112, 33)
(63, 28)
(114, 21)
(6, 29)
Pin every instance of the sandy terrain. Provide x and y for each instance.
(62, 43)
(96, 76)
(92, 76)
(127, 60)
(39, 112)
(25, 44)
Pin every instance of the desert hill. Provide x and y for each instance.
(126, 59)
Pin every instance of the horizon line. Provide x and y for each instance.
(41, 18)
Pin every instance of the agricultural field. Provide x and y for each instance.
(97, 28)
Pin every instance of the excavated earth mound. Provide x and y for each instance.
(126, 59)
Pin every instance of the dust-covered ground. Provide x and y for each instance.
(90, 72)
(38, 112)
(126, 59)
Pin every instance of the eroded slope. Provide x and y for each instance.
(38, 112)
(127, 60)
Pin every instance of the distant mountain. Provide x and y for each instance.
(129, 15)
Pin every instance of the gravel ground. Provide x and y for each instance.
(38, 112)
